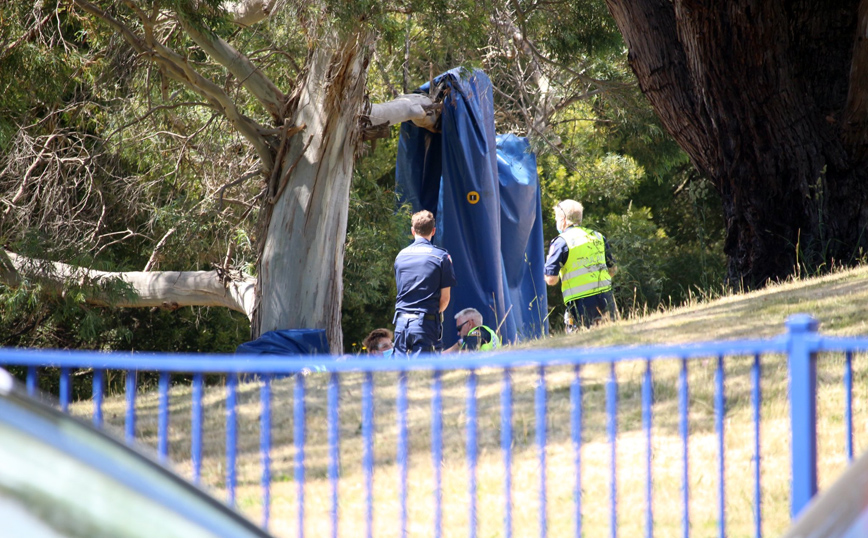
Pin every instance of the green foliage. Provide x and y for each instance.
(135, 186)
(204, 14)
(682, 206)
(33, 78)
(376, 232)
(609, 179)
(574, 30)
(642, 252)
(663, 221)
(29, 317)
(157, 157)
(32, 316)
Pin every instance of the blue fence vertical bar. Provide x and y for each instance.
(130, 422)
(98, 375)
(647, 422)
(265, 446)
(803, 408)
(719, 415)
(576, 433)
(402, 450)
(334, 446)
(368, 450)
(612, 427)
(540, 408)
(684, 430)
(64, 389)
(196, 420)
(32, 380)
(506, 448)
(298, 435)
(163, 417)
(231, 435)
(471, 450)
(756, 396)
(848, 405)
(437, 449)
(802, 346)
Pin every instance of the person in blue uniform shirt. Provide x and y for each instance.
(424, 277)
(581, 260)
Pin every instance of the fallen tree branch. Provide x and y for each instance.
(160, 289)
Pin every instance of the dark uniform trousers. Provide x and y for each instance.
(587, 310)
(417, 333)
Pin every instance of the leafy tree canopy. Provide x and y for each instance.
(107, 162)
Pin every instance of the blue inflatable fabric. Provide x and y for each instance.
(455, 175)
(521, 232)
(288, 342)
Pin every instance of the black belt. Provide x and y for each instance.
(413, 315)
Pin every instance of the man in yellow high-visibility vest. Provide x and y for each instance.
(472, 334)
(581, 259)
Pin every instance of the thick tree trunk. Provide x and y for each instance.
(305, 219)
(756, 94)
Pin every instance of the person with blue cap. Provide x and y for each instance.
(424, 278)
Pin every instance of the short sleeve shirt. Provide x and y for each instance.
(421, 271)
(559, 252)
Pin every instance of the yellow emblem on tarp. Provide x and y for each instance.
(473, 197)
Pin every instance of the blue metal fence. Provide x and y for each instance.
(801, 345)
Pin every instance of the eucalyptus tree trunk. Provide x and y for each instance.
(305, 219)
(769, 101)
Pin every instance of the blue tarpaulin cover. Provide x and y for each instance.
(521, 231)
(484, 193)
(288, 342)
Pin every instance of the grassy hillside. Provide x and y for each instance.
(836, 300)
(839, 301)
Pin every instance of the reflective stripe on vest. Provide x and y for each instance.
(585, 272)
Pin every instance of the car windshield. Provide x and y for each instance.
(60, 477)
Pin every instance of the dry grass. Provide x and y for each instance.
(836, 300)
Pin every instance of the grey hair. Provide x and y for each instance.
(469, 312)
(572, 210)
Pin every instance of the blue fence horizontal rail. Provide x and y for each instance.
(801, 345)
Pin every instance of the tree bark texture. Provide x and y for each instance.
(305, 218)
(767, 99)
(160, 289)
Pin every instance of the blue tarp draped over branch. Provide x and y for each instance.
(521, 231)
(484, 192)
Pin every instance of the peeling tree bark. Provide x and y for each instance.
(755, 93)
(301, 263)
